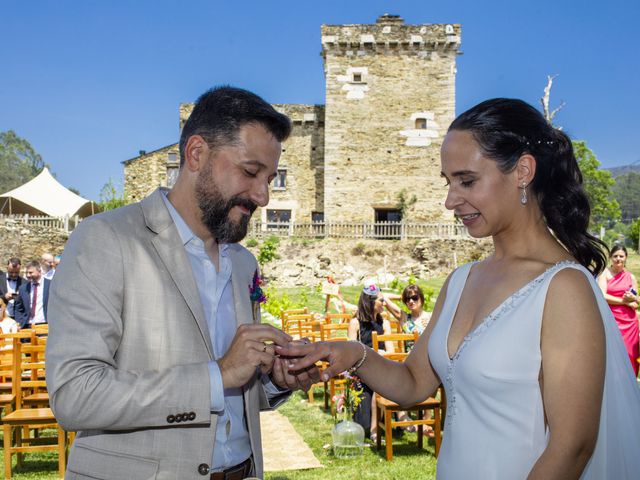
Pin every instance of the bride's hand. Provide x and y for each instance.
(340, 355)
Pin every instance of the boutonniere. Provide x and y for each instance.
(256, 295)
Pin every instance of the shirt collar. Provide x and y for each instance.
(186, 234)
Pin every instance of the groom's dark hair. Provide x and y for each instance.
(220, 112)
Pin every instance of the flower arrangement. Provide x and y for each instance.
(348, 401)
(257, 296)
(347, 435)
(255, 290)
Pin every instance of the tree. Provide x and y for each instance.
(110, 198)
(19, 162)
(627, 193)
(599, 187)
(634, 233)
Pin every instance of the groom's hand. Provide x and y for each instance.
(248, 351)
(301, 379)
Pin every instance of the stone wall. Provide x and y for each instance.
(28, 242)
(143, 174)
(350, 262)
(390, 96)
(303, 160)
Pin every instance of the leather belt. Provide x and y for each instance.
(239, 472)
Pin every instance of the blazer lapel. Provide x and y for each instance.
(241, 280)
(170, 249)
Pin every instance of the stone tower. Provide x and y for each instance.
(390, 97)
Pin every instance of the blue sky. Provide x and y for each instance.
(90, 83)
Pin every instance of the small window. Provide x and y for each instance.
(421, 123)
(357, 78)
(280, 182)
(387, 223)
(172, 157)
(278, 219)
(279, 216)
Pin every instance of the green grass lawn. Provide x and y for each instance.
(315, 425)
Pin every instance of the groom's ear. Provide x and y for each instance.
(526, 169)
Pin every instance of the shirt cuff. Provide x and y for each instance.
(216, 386)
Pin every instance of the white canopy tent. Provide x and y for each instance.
(44, 195)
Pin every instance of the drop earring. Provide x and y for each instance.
(523, 198)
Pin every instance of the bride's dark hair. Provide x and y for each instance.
(506, 129)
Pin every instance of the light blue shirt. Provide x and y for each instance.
(232, 444)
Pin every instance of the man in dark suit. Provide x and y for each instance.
(10, 282)
(33, 296)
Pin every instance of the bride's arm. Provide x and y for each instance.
(404, 383)
(573, 361)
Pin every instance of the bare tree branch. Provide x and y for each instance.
(549, 116)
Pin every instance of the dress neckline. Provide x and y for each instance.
(500, 309)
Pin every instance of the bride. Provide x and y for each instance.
(537, 379)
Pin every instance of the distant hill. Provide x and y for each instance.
(617, 171)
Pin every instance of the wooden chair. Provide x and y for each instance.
(7, 398)
(329, 332)
(291, 322)
(291, 311)
(303, 325)
(333, 332)
(386, 408)
(27, 357)
(395, 325)
(338, 317)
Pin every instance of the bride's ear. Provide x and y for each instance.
(526, 169)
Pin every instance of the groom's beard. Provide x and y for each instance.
(215, 210)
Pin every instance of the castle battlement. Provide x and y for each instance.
(390, 35)
(302, 114)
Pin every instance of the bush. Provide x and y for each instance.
(268, 250)
(276, 303)
(252, 242)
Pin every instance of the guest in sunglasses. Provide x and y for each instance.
(417, 319)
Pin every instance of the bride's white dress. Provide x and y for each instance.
(495, 426)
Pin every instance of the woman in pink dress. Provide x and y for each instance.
(620, 288)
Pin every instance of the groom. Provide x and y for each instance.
(154, 354)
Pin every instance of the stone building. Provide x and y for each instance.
(390, 97)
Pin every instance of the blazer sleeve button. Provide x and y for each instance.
(171, 419)
(203, 469)
(192, 416)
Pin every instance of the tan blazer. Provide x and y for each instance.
(128, 349)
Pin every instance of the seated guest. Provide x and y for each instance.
(33, 296)
(10, 282)
(368, 319)
(417, 319)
